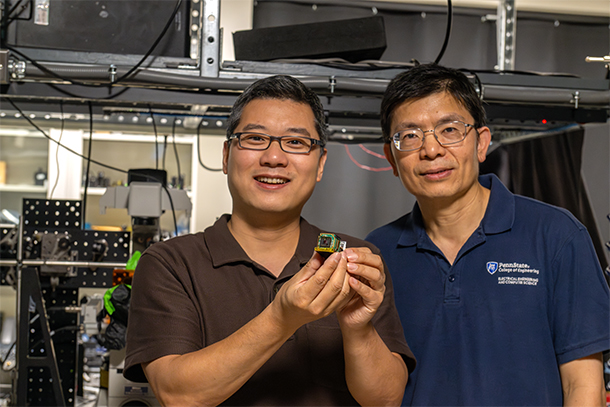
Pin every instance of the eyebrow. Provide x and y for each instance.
(253, 126)
(446, 118)
(299, 130)
(291, 130)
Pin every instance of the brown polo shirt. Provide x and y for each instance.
(192, 291)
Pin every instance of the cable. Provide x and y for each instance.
(13, 8)
(340, 63)
(477, 81)
(112, 96)
(167, 25)
(180, 186)
(531, 73)
(89, 160)
(156, 141)
(199, 150)
(374, 154)
(447, 32)
(54, 331)
(10, 18)
(61, 133)
(84, 212)
(364, 167)
(164, 150)
(59, 144)
(126, 75)
(72, 81)
(171, 204)
(52, 73)
(479, 85)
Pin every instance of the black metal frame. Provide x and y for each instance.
(47, 354)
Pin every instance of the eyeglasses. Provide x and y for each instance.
(445, 133)
(288, 144)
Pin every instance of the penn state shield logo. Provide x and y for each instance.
(492, 266)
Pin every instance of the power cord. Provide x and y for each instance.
(120, 79)
(447, 32)
(199, 150)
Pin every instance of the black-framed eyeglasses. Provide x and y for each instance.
(446, 133)
(289, 144)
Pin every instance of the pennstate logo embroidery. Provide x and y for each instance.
(492, 266)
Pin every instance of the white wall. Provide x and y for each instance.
(68, 184)
(583, 7)
(212, 197)
(235, 15)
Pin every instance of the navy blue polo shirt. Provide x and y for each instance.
(525, 294)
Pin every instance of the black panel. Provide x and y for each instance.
(106, 26)
(353, 40)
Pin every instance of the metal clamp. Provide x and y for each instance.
(575, 98)
(605, 58)
(112, 73)
(4, 60)
(16, 68)
(332, 82)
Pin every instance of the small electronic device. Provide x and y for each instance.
(328, 243)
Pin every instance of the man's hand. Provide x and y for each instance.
(367, 279)
(316, 291)
(375, 376)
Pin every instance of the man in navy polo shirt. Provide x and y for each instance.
(501, 297)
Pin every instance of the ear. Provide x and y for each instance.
(226, 146)
(388, 151)
(321, 164)
(483, 143)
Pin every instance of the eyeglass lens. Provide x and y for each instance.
(290, 144)
(446, 133)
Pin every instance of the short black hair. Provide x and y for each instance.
(281, 87)
(424, 80)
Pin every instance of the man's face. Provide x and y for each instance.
(437, 172)
(273, 181)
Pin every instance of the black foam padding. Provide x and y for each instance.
(353, 40)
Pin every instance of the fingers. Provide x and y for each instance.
(317, 273)
(336, 291)
(371, 297)
(366, 277)
(320, 284)
(312, 266)
(367, 267)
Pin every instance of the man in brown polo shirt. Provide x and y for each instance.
(246, 313)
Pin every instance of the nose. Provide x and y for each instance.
(431, 148)
(274, 156)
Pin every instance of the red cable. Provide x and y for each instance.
(365, 167)
(371, 152)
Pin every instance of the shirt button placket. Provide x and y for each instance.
(276, 289)
(452, 284)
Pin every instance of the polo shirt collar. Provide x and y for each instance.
(307, 241)
(224, 249)
(413, 231)
(222, 246)
(499, 215)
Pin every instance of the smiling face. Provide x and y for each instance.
(272, 181)
(437, 174)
